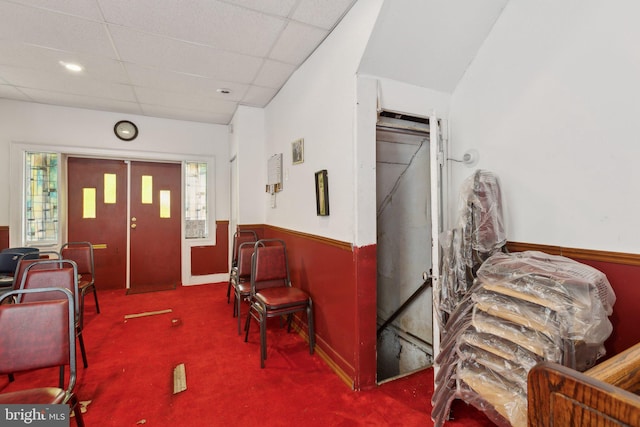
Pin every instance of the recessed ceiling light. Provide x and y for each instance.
(76, 68)
(224, 91)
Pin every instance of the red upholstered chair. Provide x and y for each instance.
(36, 335)
(82, 254)
(239, 237)
(60, 274)
(272, 294)
(241, 282)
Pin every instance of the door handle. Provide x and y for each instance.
(133, 225)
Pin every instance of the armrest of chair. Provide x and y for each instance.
(604, 395)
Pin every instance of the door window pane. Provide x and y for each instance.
(165, 204)
(196, 200)
(109, 188)
(41, 198)
(147, 189)
(88, 203)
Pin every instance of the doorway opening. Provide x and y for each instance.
(404, 239)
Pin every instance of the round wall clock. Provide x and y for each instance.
(126, 130)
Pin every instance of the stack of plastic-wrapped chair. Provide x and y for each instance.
(503, 313)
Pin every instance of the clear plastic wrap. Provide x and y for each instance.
(522, 308)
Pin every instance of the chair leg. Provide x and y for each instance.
(229, 292)
(311, 326)
(246, 325)
(263, 340)
(238, 301)
(74, 405)
(82, 350)
(95, 298)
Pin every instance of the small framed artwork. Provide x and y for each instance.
(322, 193)
(297, 151)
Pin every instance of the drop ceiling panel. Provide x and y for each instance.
(274, 74)
(55, 30)
(212, 23)
(66, 83)
(257, 96)
(79, 101)
(81, 8)
(10, 92)
(175, 55)
(181, 114)
(50, 60)
(297, 42)
(321, 13)
(274, 7)
(184, 101)
(184, 83)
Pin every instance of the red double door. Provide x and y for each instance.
(136, 231)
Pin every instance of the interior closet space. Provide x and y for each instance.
(404, 297)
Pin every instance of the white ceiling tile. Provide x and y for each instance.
(65, 83)
(184, 101)
(45, 59)
(10, 92)
(54, 30)
(185, 83)
(213, 23)
(274, 7)
(322, 13)
(181, 114)
(258, 96)
(83, 8)
(174, 55)
(93, 103)
(297, 42)
(274, 74)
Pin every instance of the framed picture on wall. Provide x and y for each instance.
(297, 151)
(322, 193)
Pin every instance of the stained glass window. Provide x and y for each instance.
(41, 198)
(196, 200)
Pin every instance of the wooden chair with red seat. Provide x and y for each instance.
(239, 237)
(241, 282)
(272, 294)
(37, 335)
(61, 273)
(82, 254)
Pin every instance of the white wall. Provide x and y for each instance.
(318, 104)
(551, 104)
(247, 144)
(88, 132)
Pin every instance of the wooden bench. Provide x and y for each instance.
(605, 395)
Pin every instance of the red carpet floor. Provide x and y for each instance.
(129, 380)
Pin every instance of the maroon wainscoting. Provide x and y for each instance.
(342, 283)
(4, 237)
(212, 259)
(625, 281)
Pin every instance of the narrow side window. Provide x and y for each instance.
(41, 198)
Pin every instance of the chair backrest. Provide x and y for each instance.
(269, 267)
(50, 273)
(82, 254)
(240, 237)
(24, 263)
(35, 335)
(245, 252)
